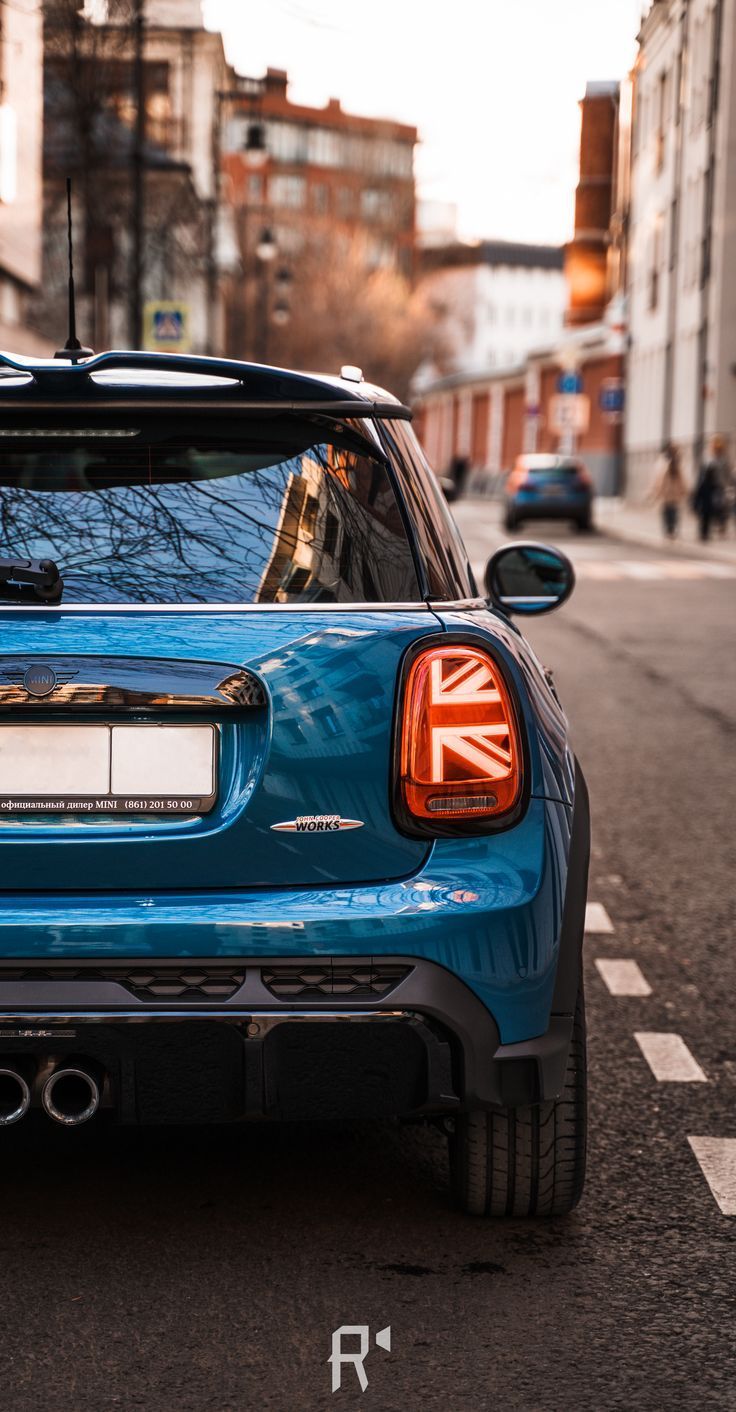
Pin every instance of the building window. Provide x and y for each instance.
(329, 538)
(673, 232)
(327, 720)
(320, 198)
(655, 263)
(287, 190)
(661, 120)
(325, 148)
(375, 205)
(287, 142)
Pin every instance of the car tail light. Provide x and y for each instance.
(461, 755)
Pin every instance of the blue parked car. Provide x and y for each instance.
(546, 487)
(290, 827)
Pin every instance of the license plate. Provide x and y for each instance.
(551, 490)
(134, 769)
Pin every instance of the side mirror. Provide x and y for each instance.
(527, 578)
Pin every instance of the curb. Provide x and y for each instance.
(680, 550)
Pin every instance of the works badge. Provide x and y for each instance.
(317, 823)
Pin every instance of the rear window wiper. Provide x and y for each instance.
(31, 579)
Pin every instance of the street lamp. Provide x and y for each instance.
(266, 247)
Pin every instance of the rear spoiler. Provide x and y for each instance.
(253, 388)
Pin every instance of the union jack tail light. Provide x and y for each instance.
(461, 756)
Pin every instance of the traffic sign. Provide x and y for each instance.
(611, 396)
(570, 383)
(166, 326)
(569, 412)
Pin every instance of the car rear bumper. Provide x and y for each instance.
(428, 1047)
(474, 1008)
(554, 508)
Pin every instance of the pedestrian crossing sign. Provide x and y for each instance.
(166, 327)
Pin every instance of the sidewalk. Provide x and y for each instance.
(641, 524)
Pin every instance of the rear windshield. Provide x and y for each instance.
(563, 471)
(300, 515)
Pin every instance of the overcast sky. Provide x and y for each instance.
(492, 85)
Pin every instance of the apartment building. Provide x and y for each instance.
(309, 171)
(91, 103)
(681, 382)
(492, 301)
(21, 119)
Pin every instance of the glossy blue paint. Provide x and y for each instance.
(323, 746)
(488, 909)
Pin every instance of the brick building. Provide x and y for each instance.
(304, 171)
(490, 418)
(589, 267)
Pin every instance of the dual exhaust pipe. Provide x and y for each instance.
(70, 1095)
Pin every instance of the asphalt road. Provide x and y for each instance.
(196, 1271)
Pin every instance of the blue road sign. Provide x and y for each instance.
(570, 382)
(611, 396)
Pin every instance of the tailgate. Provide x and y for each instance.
(145, 750)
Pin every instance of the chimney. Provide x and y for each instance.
(276, 81)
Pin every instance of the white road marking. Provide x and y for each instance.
(717, 1159)
(642, 570)
(597, 918)
(669, 1058)
(623, 977)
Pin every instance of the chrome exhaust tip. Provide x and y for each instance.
(71, 1095)
(15, 1097)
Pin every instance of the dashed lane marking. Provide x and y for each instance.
(623, 977)
(597, 918)
(669, 1058)
(652, 570)
(717, 1160)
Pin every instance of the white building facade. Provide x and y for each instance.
(681, 383)
(21, 122)
(495, 302)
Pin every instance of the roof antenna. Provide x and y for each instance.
(72, 349)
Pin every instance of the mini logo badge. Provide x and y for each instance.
(317, 823)
(39, 681)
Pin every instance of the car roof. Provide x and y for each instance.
(121, 378)
(541, 461)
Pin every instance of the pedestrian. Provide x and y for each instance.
(669, 490)
(710, 500)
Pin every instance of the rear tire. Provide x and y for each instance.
(584, 525)
(510, 522)
(526, 1161)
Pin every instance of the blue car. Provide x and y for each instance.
(546, 487)
(290, 826)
